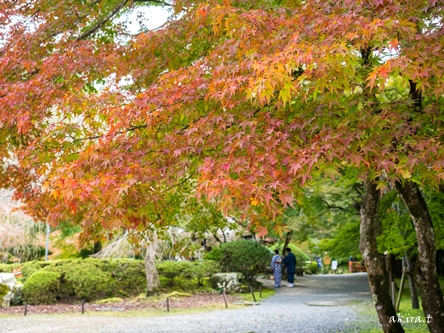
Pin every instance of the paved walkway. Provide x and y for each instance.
(289, 310)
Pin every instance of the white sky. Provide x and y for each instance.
(146, 18)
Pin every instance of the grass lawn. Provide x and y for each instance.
(414, 320)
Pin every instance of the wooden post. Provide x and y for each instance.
(393, 288)
(26, 308)
(252, 293)
(168, 304)
(401, 287)
(225, 299)
(83, 306)
(260, 291)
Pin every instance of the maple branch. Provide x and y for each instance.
(180, 183)
(238, 222)
(113, 13)
(13, 3)
(160, 2)
(98, 136)
(95, 2)
(217, 238)
(101, 22)
(332, 206)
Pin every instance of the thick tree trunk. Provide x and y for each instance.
(97, 247)
(373, 260)
(152, 278)
(426, 276)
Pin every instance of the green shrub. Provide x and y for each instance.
(246, 257)
(128, 275)
(59, 267)
(200, 269)
(41, 288)
(8, 268)
(87, 281)
(215, 254)
(172, 269)
(4, 289)
(312, 267)
(31, 267)
(110, 277)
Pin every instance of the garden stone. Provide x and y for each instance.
(226, 281)
(7, 284)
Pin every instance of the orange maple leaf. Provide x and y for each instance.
(393, 44)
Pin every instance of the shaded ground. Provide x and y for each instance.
(286, 311)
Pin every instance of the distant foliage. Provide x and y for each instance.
(19, 234)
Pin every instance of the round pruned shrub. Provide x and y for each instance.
(312, 267)
(42, 287)
(244, 256)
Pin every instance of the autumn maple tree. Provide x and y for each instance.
(244, 98)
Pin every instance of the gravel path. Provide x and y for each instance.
(286, 311)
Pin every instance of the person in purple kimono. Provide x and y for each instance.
(277, 268)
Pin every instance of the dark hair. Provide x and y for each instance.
(288, 249)
(276, 251)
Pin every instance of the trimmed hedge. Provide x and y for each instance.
(92, 278)
(8, 268)
(187, 269)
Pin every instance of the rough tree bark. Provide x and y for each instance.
(411, 276)
(426, 276)
(97, 247)
(373, 260)
(152, 278)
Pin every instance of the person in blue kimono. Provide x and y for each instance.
(290, 263)
(277, 268)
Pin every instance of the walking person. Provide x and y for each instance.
(290, 264)
(276, 266)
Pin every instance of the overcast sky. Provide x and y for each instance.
(146, 18)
